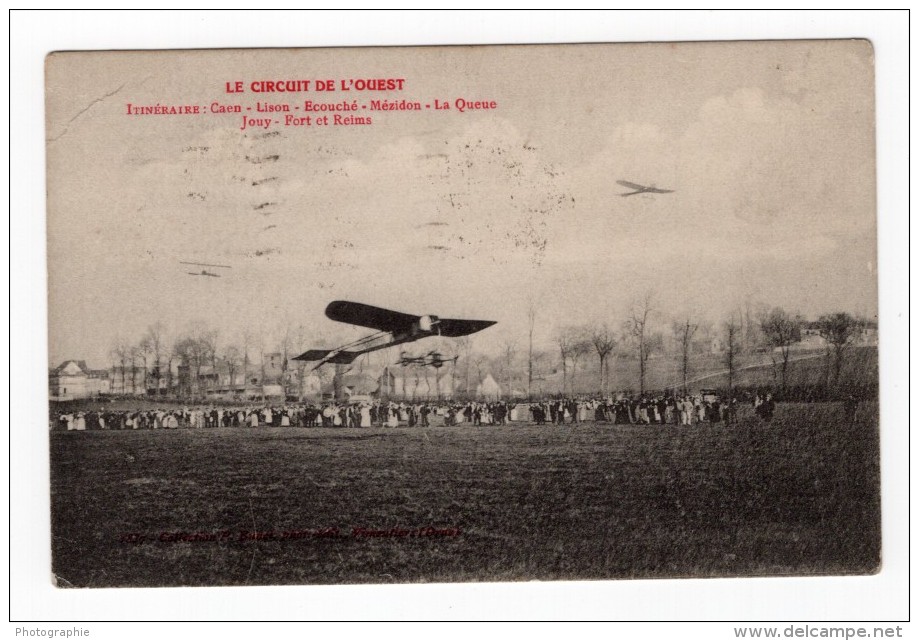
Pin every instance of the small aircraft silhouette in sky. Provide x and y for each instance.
(204, 272)
(431, 359)
(641, 189)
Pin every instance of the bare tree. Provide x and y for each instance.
(564, 340)
(508, 354)
(285, 346)
(580, 348)
(155, 339)
(538, 357)
(443, 349)
(839, 330)
(732, 346)
(246, 340)
(464, 347)
(438, 375)
(637, 326)
(781, 329)
(259, 344)
(531, 319)
(572, 345)
(113, 357)
(172, 356)
(195, 349)
(416, 371)
(120, 351)
(133, 355)
(144, 350)
(185, 352)
(232, 357)
(300, 338)
(684, 331)
(479, 361)
(604, 342)
(752, 330)
(209, 341)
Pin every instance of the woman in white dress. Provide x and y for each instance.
(365, 415)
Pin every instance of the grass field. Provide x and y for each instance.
(797, 496)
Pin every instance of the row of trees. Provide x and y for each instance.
(765, 331)
(153, 361)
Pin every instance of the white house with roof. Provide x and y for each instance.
(72, 379)
(811, 338)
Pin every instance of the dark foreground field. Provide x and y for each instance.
(797, 496)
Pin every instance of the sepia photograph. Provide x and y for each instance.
(462, 314)
(331, 316)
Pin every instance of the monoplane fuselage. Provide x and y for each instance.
(394, 328)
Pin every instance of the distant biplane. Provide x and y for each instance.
(394, 328)
(204, 272)
(641, 189)
(431, 359)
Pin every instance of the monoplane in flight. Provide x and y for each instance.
(641, 189)
(393, 328)
(204, 272)
(431, 359)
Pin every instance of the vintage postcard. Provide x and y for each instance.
(450, 314)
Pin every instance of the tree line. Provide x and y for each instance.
(153, 360)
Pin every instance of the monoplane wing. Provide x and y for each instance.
(185, 262)
(453, 327)
(313, 355)
(384, 320)
(343, 358)
(641, 189)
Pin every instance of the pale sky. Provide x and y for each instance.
(769, 148)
